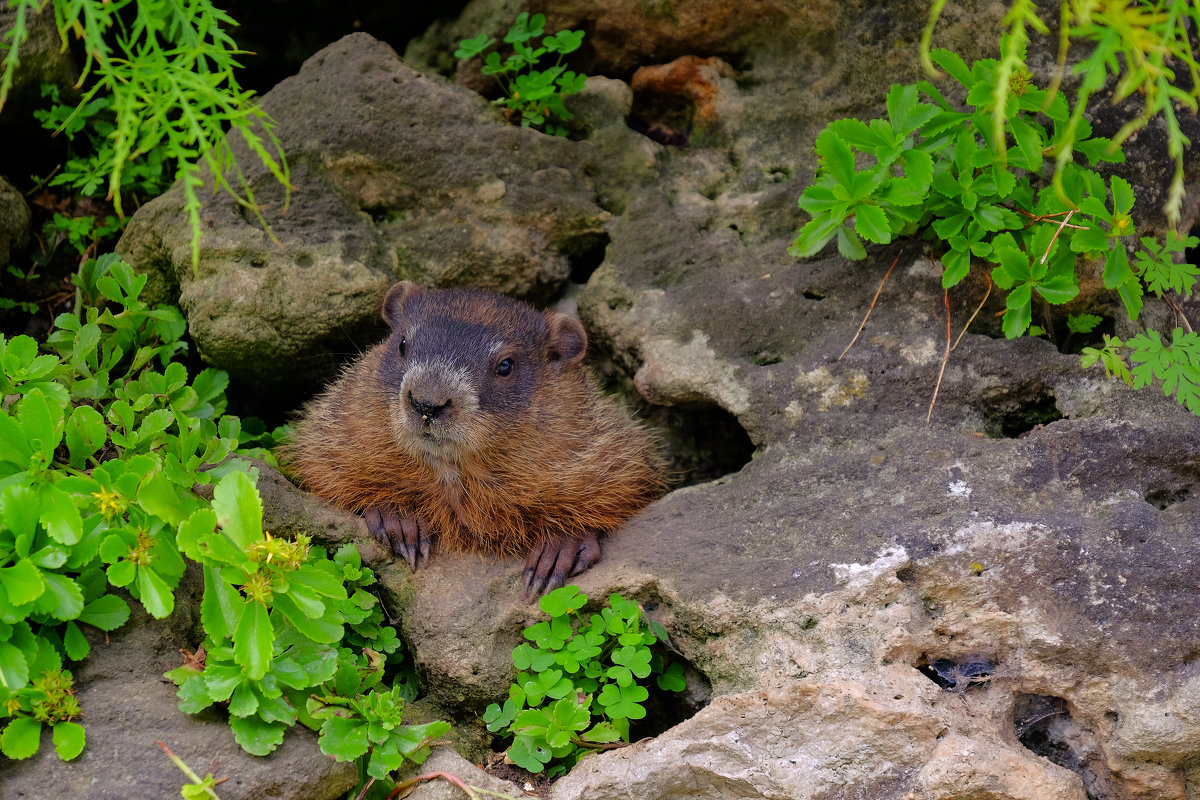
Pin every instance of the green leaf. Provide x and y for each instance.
(158, 496)
(528, 755)
(21, 738)
(222, 605)
(257, 737)
(239, 509)
(14, 667)
(623, 701)
(872, 224)
(252, 640)
(850, 246)
(344, 739)
(69, 739)
(85, 434)
(1083, 323)
(563, 600)
(1116, 266)
(1019, 312)
(673, 679)
(107, 612)
(62, 600)
(23, 582)
(156, 596)
(60, 516)
(19, 509)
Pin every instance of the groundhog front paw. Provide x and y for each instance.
(550, 563)
(405, 536)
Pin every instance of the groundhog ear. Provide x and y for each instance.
(568, 342)
(397, 296)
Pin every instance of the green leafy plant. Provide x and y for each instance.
(579, 681)
(101, 447)
(534, 97)
(1141, 44)
(931, 169)
(89, 128)
(165, 74)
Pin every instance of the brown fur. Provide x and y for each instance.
(568, 463)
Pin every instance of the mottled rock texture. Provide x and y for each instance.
(1001, 603)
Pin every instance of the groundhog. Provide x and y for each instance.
(475, 422)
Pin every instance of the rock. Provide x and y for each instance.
(1002, 602)
(14, 222)
(397, 175)
(445, 760)
(129, 706)
(43, 59)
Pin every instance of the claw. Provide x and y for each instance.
(404, 536)
(551, 562)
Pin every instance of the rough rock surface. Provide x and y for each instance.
(1001, 604)
(14, 221)
(395, 175)
(129, 707)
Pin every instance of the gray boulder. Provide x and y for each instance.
(397, 175)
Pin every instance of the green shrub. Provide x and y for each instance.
(579, 684)
(531, 96)
(163, 75)
(102, 441)
(932, 169)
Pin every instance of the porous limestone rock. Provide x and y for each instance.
(396, 175)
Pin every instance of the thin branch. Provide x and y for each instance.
(1179, 313)
(1054, 238)
(979, 308)
(473, 792)
(186, 770)
(873, 300)
(945, 358)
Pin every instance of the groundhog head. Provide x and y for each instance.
(463, 366)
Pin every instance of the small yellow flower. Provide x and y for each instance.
(110, 503)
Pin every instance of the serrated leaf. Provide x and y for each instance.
(953, 64)
(14, 667)
(872, 224)
(21, 738)
(107, 613)
(85, 434)
(252, 640)
(1019, 312)
(239, 509)
(158, 496)
(69, 739)
(22, 582)
(62, 600)
(154, 593)
(836, 157)
(255, 736)
(849, 245)
(59, 516)
(1116, 266)
(19, 511)
(344, 739)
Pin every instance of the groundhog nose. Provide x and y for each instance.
(426, 410)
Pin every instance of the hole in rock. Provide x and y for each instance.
(703, 442)
(1162, 499)
(956, 675)
(1192, 254)
(813, 294)
(586, 255)
(1018, 408)
(1044, 725)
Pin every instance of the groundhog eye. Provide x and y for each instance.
(505, 367)
(402, 349)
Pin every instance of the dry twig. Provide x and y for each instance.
(873, 299)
